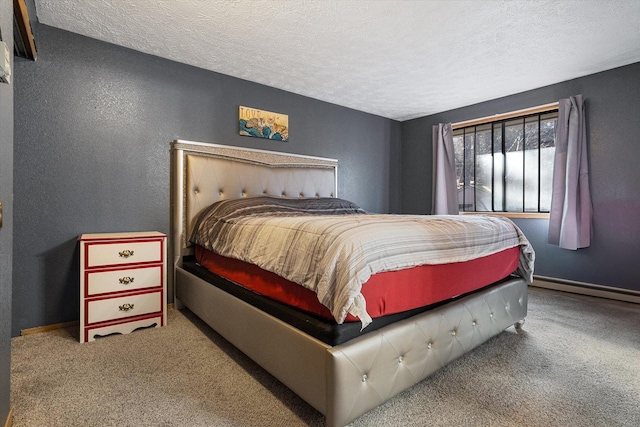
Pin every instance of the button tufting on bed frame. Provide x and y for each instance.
(395, 360)
(342, 381)
(210, 178)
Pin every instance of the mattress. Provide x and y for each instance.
(331, 248)
(326, 331)
(386, 293)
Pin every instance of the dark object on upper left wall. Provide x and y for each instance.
(24, 44)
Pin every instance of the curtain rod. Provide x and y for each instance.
(531, 110)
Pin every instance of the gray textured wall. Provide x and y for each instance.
(613, 109)
(6, 196)
(93, 123)
(93, 126)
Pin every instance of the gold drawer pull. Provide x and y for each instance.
(125, 280)
(126, 307)
(126, 254)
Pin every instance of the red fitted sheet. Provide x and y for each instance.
(386, 293)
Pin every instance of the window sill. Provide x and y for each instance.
(518, 215)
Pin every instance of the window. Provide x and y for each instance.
(506, 165)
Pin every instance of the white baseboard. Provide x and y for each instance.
(581, 288)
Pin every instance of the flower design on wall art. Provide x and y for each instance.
(263, 124)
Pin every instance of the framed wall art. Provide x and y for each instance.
(263, 124)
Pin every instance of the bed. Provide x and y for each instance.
(341, 377)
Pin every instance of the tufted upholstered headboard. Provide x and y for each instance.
(202, 174)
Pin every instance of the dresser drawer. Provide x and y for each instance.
(123, 328)
(103, 254)
(102, 282)
(121, 307)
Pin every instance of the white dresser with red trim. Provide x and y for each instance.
(123, 283)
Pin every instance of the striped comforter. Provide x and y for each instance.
(332, 247)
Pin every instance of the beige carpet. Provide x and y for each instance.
(577, 363)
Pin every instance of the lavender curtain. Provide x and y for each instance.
(571, 209)
(445, 190)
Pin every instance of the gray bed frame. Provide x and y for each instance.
(344, 381)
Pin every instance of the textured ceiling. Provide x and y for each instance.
(397, 59)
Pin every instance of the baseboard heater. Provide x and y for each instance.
(582, 288)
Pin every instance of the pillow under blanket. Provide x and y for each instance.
(227, 211)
